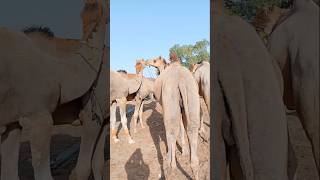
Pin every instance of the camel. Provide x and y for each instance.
(145, 90)
(176, 90)
(140, 96)
(34, 84)
(249, 127)
(201, 72)
(294, 43)
(121, 87)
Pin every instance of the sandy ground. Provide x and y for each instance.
(146, 159)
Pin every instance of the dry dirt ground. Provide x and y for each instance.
(146, 159)
(143, 159)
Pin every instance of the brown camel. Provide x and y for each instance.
(294, 43)
(201, 72)
(177, 92)
(249, 128)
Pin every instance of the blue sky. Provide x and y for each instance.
(145, 29)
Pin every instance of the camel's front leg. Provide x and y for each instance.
(141, 114)
(123, 113)
(113, 120)
(40, 126)
(10, 154)
(89, 135)
(136, 114)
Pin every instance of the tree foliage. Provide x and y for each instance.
(189, 54)
(248, 9)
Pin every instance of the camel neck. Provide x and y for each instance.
(218, 6)
(161, 68)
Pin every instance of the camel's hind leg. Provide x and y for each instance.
(113, 120)
(98, 156)
(89, 135)
(172, 122)
(184, 145)
(40, 126)
(122, 104)
(10, 155)
(192, 132)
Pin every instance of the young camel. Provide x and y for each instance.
(145, 90)
(121, 87)
(201, 72)
(177, 92)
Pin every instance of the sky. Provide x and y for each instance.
(146, 29)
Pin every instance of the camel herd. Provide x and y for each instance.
(254, 87)
(178, 91)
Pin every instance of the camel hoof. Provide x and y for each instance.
(134, 130)
(131, 141)
(142, 127)
(116, 140)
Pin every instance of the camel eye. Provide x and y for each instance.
(154, 61)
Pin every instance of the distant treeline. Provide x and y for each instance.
(192, 53)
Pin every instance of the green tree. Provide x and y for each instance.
(248, 9)
(189, 54)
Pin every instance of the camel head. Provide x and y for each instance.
(140, 64)
(156, 62)
(194, 66)
(174, 57)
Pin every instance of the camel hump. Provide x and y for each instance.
(38, 29)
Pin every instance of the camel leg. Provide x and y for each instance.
(113, 120)
(122, 104)
(40, 137)
(192, 132)
(98, 156)
(89, 134)
(10, 155)
(201, 129)
(141, 114)
(135, 114)
(172, 122)
(182, 135)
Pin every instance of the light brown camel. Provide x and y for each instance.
(201, 72)
(249, 127)
(145, 90)
(177, 92)
(35, 83)
(294, 43)
(121, 87)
